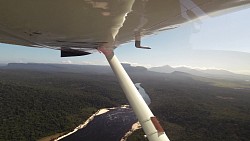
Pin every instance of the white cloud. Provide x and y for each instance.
(199, 68)
(67, 62)
(137, 64)
(96, 62)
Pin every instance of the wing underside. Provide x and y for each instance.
(86, 25)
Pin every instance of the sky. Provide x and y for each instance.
(221, 42)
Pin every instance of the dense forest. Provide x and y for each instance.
(193, 110)
(36, 104)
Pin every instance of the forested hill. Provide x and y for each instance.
(36, 103)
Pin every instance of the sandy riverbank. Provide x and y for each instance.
(99, 112)
(135, 127)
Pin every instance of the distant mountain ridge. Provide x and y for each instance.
(2, 65)
(57, 67)
(72, 68)
(211, 73)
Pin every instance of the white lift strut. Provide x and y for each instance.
(148, 121)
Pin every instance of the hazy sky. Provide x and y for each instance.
(221, 42)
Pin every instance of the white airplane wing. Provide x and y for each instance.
(79, 27)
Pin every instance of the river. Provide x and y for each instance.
(111, 125)
(143, 93)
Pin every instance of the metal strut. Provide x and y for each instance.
(148, 121)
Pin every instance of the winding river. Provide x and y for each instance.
(143, 93)
(110, 125)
